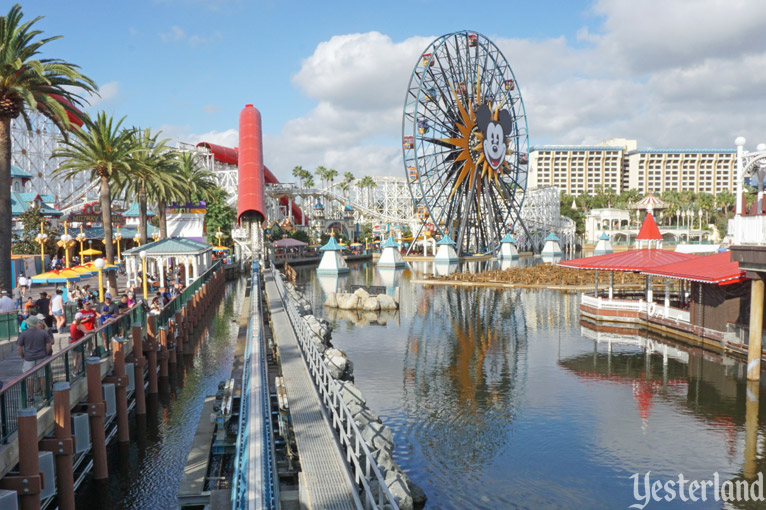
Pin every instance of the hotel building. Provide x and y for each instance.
(619, 164)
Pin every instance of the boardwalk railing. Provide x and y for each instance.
(358, 456)
(34, 388)
(254, 473)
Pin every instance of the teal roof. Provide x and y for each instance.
(18, 172)
(390, 243)
(48, 199)
(169, 246)
(132, 211)
(603, 236)
(508, 239)
(552, 237)
(332, 245)
(446, 240)
(21, 202)
(127, 232)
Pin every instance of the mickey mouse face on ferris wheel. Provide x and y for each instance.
(495, 133)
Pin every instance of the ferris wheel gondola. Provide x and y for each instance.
(464, 132)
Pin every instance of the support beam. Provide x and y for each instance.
(756, 330)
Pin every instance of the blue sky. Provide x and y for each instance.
(329, 77)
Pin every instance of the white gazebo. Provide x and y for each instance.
(332, 260)
(391, 256)
(604, 245)
(446, 252)
(197, 257)
(552, 247)
(508, 249)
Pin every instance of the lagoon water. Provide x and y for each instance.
(502, 399)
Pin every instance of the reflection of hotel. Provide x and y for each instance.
(619, 164)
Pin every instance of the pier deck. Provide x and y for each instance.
(328, 483)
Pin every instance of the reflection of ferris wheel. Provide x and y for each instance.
(465, 142)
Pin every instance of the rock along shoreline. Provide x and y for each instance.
(376, 435)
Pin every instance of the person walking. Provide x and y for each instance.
(23, 285)
(18, 295)
(44, 307)
(34, 345)
(57, 310)
(6, 303)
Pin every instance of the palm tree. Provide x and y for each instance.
(308, 180)
(299, 173)
(348, 178)
(47, 85)
(331, 175)
(104, 151)
(146, 171)
(197, 183)
(321, 172)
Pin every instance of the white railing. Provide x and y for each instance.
(358, 455)
(670, 313)
(749, 229)
(602, 303)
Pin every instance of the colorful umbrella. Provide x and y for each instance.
(57, 276)
(220, 248)
(91, 266)
(91, 251)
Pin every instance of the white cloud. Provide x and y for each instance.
(176, 34)
(669, 74)
(106, 93)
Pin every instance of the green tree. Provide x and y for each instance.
(308, 180)
(196, 182)
(146, 176)
(219, 214)
(27, 83)
(299, 173)
(25, 243)
(168, 188)
(300, 235)
(103, 151)
(331, 175)
(321, 172)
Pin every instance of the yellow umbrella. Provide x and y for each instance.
(56, 276)
(91, 252)
(82, 270)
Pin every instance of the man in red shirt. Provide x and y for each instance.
(88, 316)
(76, 329)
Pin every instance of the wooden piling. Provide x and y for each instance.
(120, 381)
(150, 346)
(62, 445)
(162, 336)
(138, 354)
(96, 411)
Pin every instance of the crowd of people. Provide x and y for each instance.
(40, 318)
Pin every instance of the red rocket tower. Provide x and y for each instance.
(251, 203)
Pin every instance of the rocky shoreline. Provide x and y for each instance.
(376, 435)
(360, 299)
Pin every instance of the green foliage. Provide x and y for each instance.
(300, 235)
(25, 243)
(219, 214)
(576, 215)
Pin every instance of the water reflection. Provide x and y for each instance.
(464, 373)
(444, 268)
(333, 282)
(501, 399)
(389, 278)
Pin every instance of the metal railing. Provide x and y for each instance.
(34, 388)
(254, 475)
(9, 325)
(358, 456)
(614, 303)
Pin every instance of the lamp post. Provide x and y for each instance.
(137, 239)
(100, 263)
(81, 238)
(117, 239)
(219, 235)
(156, 235)
(142, 254)
(41, 238)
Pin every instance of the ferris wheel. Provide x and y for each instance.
(465, 142)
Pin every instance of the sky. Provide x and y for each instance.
(329, 78)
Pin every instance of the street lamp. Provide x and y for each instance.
(66, 242)
(41, 238)
(142, 254)
(117, 239)
(219, 235)
(156, 235)
(81, 238)
(100, 263)
(137, 239)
